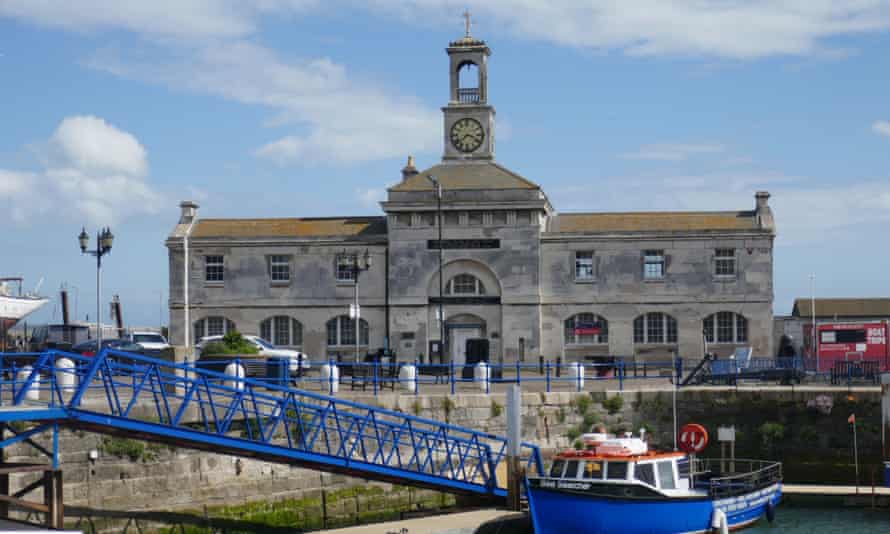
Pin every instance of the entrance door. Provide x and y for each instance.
(458, 342)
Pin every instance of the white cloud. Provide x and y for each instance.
(370, 198)
(91, 144)
(881, 128)
(347, 122)
(93, 170)
(712, 28)
(672, 151)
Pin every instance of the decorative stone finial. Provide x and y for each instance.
(409, 169)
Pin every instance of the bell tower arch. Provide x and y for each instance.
(469, 119)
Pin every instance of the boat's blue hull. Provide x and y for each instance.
(559, 512)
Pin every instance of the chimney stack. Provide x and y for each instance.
(764, 213)
(189, 210)
(409, 169)
(65, 316)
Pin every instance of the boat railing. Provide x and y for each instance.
(726, 478)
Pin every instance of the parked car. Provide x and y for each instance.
(153, 342)
(88, 348)
(296, 359)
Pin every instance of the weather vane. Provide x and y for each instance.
(466, 16)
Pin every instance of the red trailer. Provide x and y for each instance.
(851, 342)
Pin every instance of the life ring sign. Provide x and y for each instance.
(693, 438)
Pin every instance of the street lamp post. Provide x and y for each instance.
(358, 268)
(104, 240)
(432, 179)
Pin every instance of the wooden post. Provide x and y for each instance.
(4, 490)
(514, 433)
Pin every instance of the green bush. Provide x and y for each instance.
(582, 404)
(232, 343)
(496, 409)
(573, 433)
(613, 404)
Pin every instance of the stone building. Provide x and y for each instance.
(515, 272)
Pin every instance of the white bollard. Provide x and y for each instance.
(330, 375)
(235, 370)
(482, 374)
(33, 392)
(66, 378)
(576, 373)
(408, 376)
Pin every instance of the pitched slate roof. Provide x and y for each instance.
(853, 307)
(466, 176)
(291, 227)
(569, 223)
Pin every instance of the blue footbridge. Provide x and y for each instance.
(136, 396)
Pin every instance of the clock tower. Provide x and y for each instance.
(469, 119)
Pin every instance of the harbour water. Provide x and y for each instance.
(825, 520)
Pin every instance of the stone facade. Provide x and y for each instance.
(529, 280)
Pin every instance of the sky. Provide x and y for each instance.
(111, 113)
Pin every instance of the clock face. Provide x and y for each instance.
(467, 134)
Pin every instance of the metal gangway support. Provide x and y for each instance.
(155, 400)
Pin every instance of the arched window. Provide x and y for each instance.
(586, 329)
(725, 327)
(341, 331)
(464, 284)
(655, 327)
(282, 330)
(212, 326)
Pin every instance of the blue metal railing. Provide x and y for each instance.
(378, 376)
(191, 406)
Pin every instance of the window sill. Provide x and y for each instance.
(279, 284)
(585, 280)
(653, 280)
(214, 284)
(725, 278)
(345, 282)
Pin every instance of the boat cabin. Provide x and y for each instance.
(625, 461)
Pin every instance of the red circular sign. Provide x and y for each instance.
(693, 438)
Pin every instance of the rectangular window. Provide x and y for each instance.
(213, 268)
(593, 470)
(499, 217)
(724, 262)
(571, 469)
(653, 265)
(282, 331)
(616, 471)
(645, 473)
(403, 219)
(345, 270)
(266, 330)
(215, 326)
(724, 327)
(347, 331)
(556, 468)
(475, 218)
(708, 327)
(428, 218)
(671, 329)
(452, 218)
(279, 268)
(584, 265)
(666, 475)
(655, 328)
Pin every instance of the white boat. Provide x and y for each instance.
(15, 307)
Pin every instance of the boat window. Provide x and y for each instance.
(616, 471)
(571, 469)
(666, 475)
(683, 467)
(645, 473)
(593, 469)
(556, 468)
